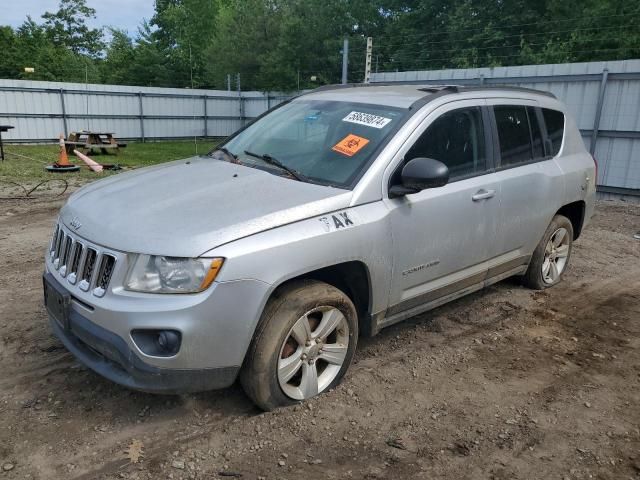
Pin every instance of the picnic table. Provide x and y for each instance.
(3, 128)
(104, 141)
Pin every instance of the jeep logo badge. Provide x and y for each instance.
(75, 223)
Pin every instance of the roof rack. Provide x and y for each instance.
(433, 89)
(440, 88)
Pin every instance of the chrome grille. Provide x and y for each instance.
(88, 268)
(58, 246)
(54, 240)
(80, 263)
(74, 264)
(104, 274)
(66, 251)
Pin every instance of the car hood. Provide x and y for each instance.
(187, 207)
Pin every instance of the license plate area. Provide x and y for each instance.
(57, 302)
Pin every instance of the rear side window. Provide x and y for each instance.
(536, 133)
(456, 138)
(555, 128)
(514, 134)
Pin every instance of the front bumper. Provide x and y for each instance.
(216, 328)
(108, 355)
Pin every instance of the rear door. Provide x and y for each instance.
(531, 185)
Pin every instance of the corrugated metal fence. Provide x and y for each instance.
(40, 111)
(604, 98)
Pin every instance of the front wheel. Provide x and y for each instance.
(303, 345)
(551, 257)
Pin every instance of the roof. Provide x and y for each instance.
(402, 95)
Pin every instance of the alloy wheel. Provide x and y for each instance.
(313, 352)
(556, 254)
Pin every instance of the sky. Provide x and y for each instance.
(124, 14)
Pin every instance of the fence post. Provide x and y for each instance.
(345, 61)
(64, 113)
(206, 117)
(481, 79)
(141, 117)
(596, 121)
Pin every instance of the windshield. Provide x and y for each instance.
(324, 142)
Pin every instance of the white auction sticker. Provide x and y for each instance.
(367, 119)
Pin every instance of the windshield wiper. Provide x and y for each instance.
(231, 155)
(271, 160)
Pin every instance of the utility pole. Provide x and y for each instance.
(345, 60)
(190, 66)
(367, 67)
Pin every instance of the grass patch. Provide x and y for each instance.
(25, 164)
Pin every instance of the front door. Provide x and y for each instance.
(442, 236)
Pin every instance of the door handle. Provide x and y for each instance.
(483, 194)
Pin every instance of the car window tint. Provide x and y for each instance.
(555, 128)
(513, 133)
(456, 138)
(536, 133)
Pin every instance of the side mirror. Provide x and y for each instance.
(419, 174)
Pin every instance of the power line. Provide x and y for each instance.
(495, 47)
(565, 53)
(506, 27)
(520, 35)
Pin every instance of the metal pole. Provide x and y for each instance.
(240, 100)
(345, 60)
(141, 117)
(64, 113)
(228, 82)
(206, 117)
(596, 121)
(367, 67)
(482, 79)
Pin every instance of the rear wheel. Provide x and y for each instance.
(551, 257)
(303, 345)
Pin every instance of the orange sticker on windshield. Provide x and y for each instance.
(350, 145)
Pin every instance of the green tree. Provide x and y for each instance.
(68, 28)
(10, 65)
(185, 29)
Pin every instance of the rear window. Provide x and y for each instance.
(555, 128)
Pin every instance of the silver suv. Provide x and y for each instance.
(334, 215)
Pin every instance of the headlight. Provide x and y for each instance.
(156, 274)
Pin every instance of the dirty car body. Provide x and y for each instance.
(158, 278)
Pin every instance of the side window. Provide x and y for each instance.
(536, 133)
(555, 128)
(514, 134)
(456, 138)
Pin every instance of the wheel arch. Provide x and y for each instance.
(575, 213)
(351, 277)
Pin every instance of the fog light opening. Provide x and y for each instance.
(169, 341)
(158, 343)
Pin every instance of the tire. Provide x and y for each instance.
(555, 248)
(278, 352)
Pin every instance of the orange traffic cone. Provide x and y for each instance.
(63, 164)
(63, 160)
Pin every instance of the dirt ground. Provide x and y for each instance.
(504, 384)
